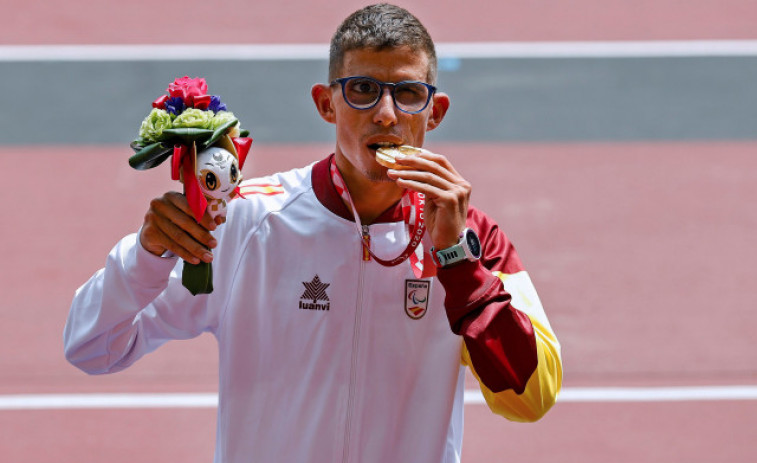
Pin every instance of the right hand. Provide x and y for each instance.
(169, 225)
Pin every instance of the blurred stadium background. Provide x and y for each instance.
(613, 141)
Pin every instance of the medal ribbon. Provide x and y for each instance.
(412, 204)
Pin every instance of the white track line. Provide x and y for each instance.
(472, 397)
(79, 401)
(236, 52)
(643, 394)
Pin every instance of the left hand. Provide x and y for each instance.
(447, 194)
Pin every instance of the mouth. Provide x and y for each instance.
(382, 144)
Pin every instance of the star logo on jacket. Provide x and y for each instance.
(416, 298)
(315, 291)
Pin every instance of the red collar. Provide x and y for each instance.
(324, 190)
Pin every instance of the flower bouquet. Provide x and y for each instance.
(207, 151)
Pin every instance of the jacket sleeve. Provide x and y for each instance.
(508, 342)
(129, 308)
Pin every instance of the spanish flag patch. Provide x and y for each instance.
(261, 189)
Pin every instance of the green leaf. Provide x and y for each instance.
(197, 278)
(149, 156)
(187, 134)
(219, 132)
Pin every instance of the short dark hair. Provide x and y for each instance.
(380, 27)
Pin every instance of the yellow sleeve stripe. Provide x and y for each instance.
(545, 383)
(524, 296)
(541, 389)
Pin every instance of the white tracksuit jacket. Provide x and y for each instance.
(320, 359)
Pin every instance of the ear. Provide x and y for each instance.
(439, 107)
(321, 94)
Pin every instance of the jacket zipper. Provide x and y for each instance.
(355, 344)
(366, 244)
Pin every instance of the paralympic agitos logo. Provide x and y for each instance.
(416, 298)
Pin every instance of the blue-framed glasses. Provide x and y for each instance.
(361, 92)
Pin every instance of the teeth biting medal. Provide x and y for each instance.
(386, 155)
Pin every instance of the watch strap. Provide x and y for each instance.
(450, 255)
(465, 249)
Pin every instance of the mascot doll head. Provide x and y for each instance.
(218, 176)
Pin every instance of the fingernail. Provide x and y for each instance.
(207, 257)
(212, 243)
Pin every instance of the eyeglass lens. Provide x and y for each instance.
(409, 96)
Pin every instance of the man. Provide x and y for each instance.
(329, 349)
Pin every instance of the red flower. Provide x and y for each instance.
(202, 102)
(160, 103)
(187, 89)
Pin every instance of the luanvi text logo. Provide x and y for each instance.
(315, 291)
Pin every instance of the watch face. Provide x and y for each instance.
(473, 243)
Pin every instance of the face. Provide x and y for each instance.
(217, 172)
(360, 132)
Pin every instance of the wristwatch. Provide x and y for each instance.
(468, 248)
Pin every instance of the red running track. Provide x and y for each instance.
(642, 253)
(240, 21)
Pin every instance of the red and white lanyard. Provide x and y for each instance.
(412, 204)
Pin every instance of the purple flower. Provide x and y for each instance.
(175, 105)
(215, 104)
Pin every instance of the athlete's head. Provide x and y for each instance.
(381, 27)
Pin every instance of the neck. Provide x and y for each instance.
(371, 197)
(371, 203)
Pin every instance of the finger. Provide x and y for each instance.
(178, 250)
(168, 226)
(176, 240)
(428, 172)
(186, 233)
(443, 192)
(432, 179)
(180, 202)
(432, 162)
(176, 212)
(154, 240)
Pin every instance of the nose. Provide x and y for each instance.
(385, 113)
